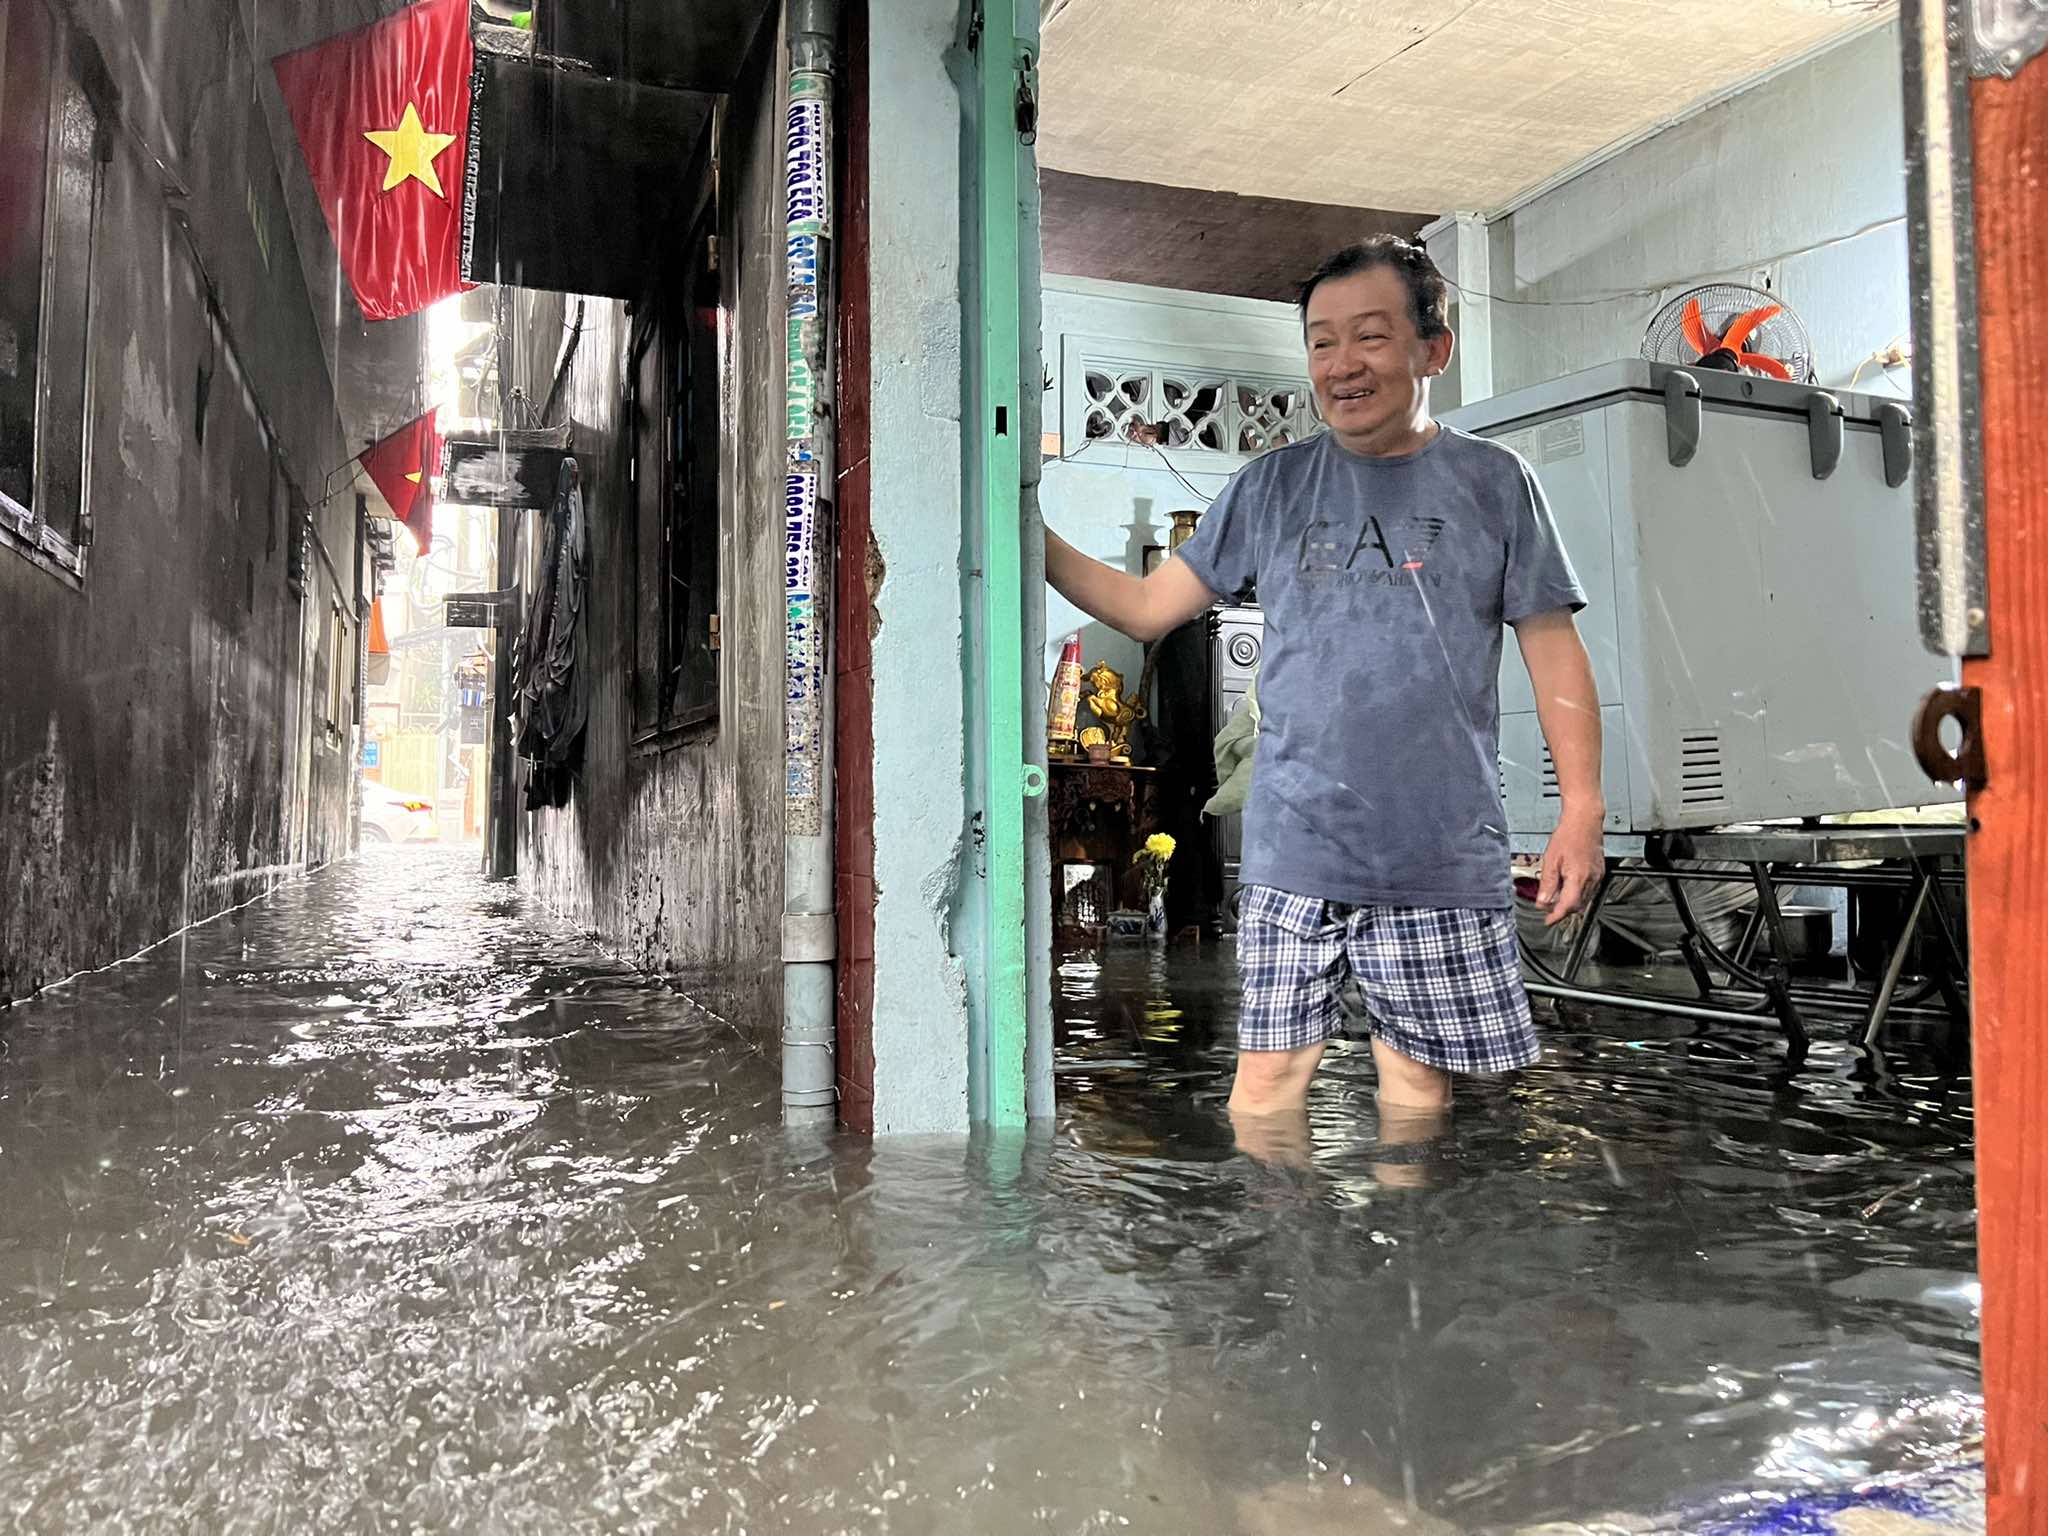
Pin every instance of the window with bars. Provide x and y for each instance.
(1233, 413)
(50, 155)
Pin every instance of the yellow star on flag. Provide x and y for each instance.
(412, 150)
(414, 477)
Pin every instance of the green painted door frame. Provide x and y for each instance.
(998, 1080)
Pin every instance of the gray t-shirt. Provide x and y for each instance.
(1384, 584)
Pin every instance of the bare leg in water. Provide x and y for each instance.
(1269, 1106)
(1272, 1082)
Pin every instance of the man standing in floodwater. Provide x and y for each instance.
(1387, 554)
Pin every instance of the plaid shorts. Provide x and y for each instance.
(1443, 984)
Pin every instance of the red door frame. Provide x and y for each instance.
(2008, 860)
(853, 602)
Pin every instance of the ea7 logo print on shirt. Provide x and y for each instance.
(1336, 556)
(1425, 531)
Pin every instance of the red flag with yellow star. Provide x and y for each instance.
(382, 115)
(399, 469)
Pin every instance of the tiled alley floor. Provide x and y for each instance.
(386, 1205)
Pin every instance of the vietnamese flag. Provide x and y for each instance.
(382, 115)
(399, 469)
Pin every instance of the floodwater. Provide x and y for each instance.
(385, 1205)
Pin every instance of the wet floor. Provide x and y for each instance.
(386, 1206)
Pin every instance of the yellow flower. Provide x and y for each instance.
(1160, 846)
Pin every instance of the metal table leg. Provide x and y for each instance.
(1698, 947)
(1690, 940)
(1873, 1029)
(1589, 925)
(1778, 978)
(1752, 930)
(1957, 962)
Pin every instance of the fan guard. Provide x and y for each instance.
(1733, 327)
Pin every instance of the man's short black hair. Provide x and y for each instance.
(1429, 296)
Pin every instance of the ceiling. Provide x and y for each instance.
(1212, 242)
(1420, 105)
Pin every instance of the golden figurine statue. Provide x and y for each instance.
(1105, 700)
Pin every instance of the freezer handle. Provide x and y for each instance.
(1823, 432)
(1895, 426)
(1682, 413)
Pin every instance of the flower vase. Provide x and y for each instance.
(1155, 916)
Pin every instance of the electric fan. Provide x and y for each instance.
(1733, 328)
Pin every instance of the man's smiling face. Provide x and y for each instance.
(1367, 363)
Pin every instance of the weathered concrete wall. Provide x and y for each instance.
(1809, 163)
(150, 722)
(674, 857)
(915, 385)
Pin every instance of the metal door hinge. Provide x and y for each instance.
(715, 638)
(711, 252)
(2005, 34)
(1027, 100)
(1964, 763)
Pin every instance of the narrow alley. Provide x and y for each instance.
(387, 1203)
(977, 767)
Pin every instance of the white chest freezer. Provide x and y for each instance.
(1747, 550)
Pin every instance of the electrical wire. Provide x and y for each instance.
(1131, 442)
(1879, 357)
(1651, 291)
(1188, 484)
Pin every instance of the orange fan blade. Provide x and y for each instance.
(1745, 325)
(1697, 335)
(1762, 364)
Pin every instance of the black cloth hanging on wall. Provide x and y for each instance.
(554, 688)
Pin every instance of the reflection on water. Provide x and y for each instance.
(394, 1210)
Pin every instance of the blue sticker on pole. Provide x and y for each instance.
(803, 260)
(806, 179)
